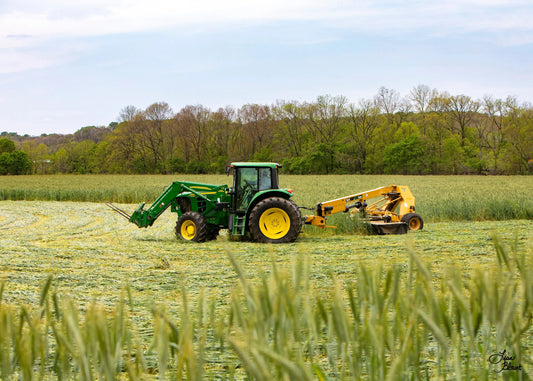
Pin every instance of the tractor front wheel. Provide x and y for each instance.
(191, 226)
(275, 220)
(413, 221)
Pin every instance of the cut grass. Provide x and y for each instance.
(92, 252)
(385, 322)
(136, 303)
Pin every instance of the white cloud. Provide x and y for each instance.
(60, 18)
(27, 25)
(101, 18)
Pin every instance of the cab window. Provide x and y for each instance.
(248, 178)
(265, 178)
(250, 181)
(246, 186)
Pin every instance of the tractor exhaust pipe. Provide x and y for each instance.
(119, 211)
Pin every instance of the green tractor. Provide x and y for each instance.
(255, 204)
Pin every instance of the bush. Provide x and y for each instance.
(197, 167)
(177, 165)
(15, 163)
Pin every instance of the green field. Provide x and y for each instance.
(205, 303)
(439, 198)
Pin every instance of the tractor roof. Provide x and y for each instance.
(256, 165)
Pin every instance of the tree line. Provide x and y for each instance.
(425, 132)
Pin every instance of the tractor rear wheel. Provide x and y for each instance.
(413, 221)
(275, 220)
(191, 226)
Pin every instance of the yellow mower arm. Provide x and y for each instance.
(394, 204)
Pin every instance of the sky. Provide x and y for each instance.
(67, 64)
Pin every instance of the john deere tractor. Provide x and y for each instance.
(255, 204)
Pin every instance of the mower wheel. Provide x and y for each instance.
(413, 221)
(191, 226)
(275, 220)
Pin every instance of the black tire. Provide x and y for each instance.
(413, 221)
(275, 220)
(191, 226)
(299, 213)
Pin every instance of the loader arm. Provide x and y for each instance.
(391, 204)
(205, 193)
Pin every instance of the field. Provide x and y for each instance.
(439, 198)
(334, 304)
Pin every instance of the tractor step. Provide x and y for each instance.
(239, 224)
(382, 228)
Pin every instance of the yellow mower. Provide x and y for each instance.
(391, 212)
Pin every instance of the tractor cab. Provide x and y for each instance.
(259, 206)
(249, 179)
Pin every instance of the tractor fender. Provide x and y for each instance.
(261, 195)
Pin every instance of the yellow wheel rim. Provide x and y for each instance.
(414, 223)
(274, 223)
(188, 230)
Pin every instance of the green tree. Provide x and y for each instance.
(7, 145)
(519, 132)
(126, 152)
(292, 128)
(153, 132)
(363, 122)
(222, 137)
(61, 161)
(407, 157)
(326, 122)
(20, 163)
(38, 154)
(256, 127)
(463, 109)
(5, 162)
(452, 156)
(15, 163)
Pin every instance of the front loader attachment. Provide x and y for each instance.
(118, 210)
(138, 217)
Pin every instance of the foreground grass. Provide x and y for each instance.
(385, 323)
(135, 303)
(438, 198)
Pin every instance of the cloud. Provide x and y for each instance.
(28, 25)
(101, 18)
(97, 17)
